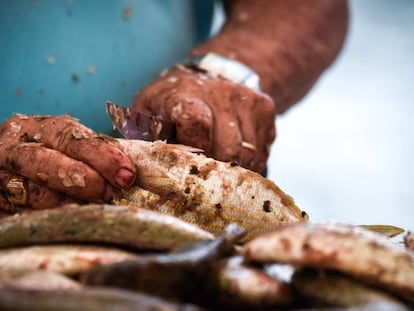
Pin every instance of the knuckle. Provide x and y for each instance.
(12, 127)
(69, 132)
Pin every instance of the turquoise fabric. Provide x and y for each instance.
(62, 56)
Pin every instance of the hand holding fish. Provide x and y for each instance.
(229, 121)
(47, 161)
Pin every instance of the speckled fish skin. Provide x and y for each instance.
(174, 179)
(353, 250)
(121, 225)
(64, 259)
(325, 288)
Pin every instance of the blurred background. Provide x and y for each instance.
(345, 152)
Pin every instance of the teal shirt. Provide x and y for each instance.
(62, 56)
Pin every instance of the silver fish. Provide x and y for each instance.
(121, 225)
(64, 259)
(37, 280)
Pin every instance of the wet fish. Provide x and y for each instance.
(176, 180)
(323, 288)
(237, 286)
(364, 254)
(85, 299)
(37, 280)
(178, 275)
(64, 259)
(122, 225)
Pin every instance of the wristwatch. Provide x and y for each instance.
(228, 68)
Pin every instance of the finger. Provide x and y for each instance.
(193, 119)
(41, 197)
(56, 171)
(6, 208)
(38, 196)
(226, 133)
(14, 187)
(266, 131)
(150, 100)
(68, 136)
(243, 104)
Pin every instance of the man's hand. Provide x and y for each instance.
(287, 43)
(49, 161)
(229, 121)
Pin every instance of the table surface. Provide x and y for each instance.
(345, 153)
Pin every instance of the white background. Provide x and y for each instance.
(345, 153)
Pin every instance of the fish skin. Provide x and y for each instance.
(121, 225)
(177, 180)
(38, 280)
(64, 259)
(206, 273)
(85, 299)
(178, 275)
(363, 254)
(233, 284)
(325, 288)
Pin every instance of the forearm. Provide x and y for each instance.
(288, 43)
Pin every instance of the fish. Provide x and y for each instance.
(326, 288)
(237, 286)
(177, 275)
(85, 299)
(104, 223)
(366, 255)
(206, 273)
(181, 181)
(69, 259)
(37, 280)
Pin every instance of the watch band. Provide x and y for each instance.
(228, 68)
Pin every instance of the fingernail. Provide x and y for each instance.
(124, 178)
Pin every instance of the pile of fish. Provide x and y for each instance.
(107, 257)
(198, 234)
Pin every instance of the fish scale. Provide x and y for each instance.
(178, 180)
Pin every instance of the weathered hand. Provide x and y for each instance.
(60, 161)
(228, 120)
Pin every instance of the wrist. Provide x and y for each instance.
(228, 44)
(227, 68)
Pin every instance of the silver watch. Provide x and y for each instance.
(227, 68)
